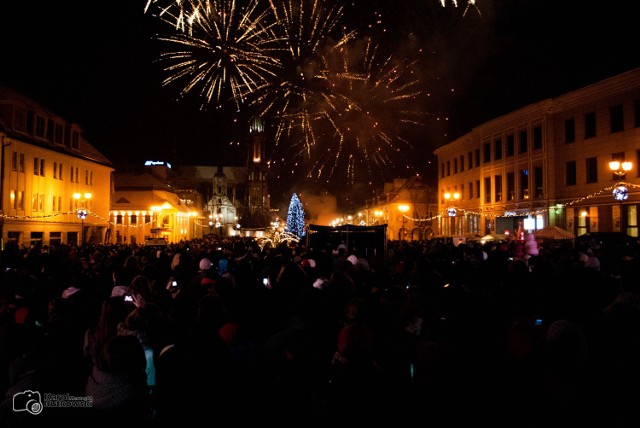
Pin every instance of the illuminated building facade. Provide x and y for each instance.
(547, 164)
(55, 186)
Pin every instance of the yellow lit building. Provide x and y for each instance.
(55, 186)
(408, 208)
(548, 163)
(146, 205)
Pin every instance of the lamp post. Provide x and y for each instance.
(82, 211)
(403, 208)
(451, 209)
(620, 192)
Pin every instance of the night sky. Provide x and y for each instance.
(96, 66)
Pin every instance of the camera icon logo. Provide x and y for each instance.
(29, 401)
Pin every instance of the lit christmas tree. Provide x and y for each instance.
(295, 217)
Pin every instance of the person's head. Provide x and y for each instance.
(123, 355)
(205, 264)
(141, 285)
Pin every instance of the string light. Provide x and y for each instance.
(539, 211)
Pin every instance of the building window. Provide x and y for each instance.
(442, 170)
(477, 157)
(86, 177)
(75, 139)
(570, 131)
(537, 137)
(487, 189)
(119, 219)
(537, 181)
(470, 187)
(36, 166)
(497, 149)
(20, 120)
(524, 184)
(570, 173)
(40, 126)
(510, 145)
(455, 165)
(42, 167)
(448, 172)
(30, 120)
(55, 239)
(133, 219)
(36, 239)
(14, 161)
(592, 170)
(498, 188)
(632, 220)
(590, 125)
(60, 171)
(55, 170)
(20, 202)
(21, 163)
(34, 202)
(12, 199)
(147, 218)
(511, 186)
(487, 153)
(617, 118)
(477, 188)
(50, 129)
(524, 144)
(57, 135)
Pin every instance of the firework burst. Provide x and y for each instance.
(219, 50)
(363, 119)
(339, 108)
(307, 33)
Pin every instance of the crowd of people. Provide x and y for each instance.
(501, 333)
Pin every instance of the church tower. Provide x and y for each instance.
(222, 212)
(258, 198)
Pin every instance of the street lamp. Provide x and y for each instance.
(82, 211)
(451, 209)
(620, 168)
(403, 208)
